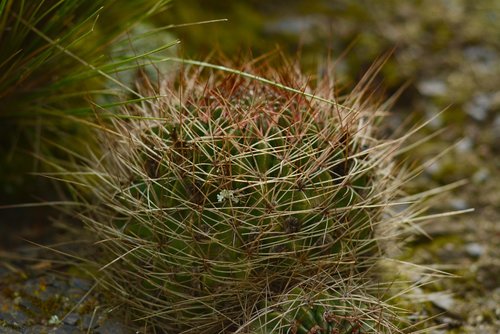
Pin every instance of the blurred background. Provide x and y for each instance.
(446, 53)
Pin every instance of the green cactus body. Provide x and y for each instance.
(293, 313)
(238, 188)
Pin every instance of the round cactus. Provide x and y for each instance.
(226, 189)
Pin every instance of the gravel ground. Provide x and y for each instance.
(42, 296)
(41, 293)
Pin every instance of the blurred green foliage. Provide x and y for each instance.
(44, 43)
(54, 56)
(452, 41)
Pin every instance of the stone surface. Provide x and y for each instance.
(80, 283)
(14, 318)
(40, 304)
(442, 300)
(89, 321)
(5, 330)
(37, 329)
(113, 326)
(71, 319)
(66, 329)
(474, 249)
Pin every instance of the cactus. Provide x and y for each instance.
(227, 189)
(326, 312)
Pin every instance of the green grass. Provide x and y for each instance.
(44, 43)
(55, 57)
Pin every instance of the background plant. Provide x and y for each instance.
(54, 55)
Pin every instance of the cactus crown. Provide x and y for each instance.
(225, 190)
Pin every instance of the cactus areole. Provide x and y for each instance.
(230, 189)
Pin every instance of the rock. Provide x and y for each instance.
(31, 285)
(481, 175)
(8, 331)
(14, 318)
(481, 54)
(4, 273)
(48, 293)
(432, 87)
(66, 329)
(474, 249)
(465, 145)
(59, 284)
(459, 203)
(80, 283)
(43, 287)
(89, 321)
(449, 322)
(112, 326)
(71, 319)
(27, 305)
(7, 318)
(433, 168)
(479, 106)
(37, 329)
(443, 301)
